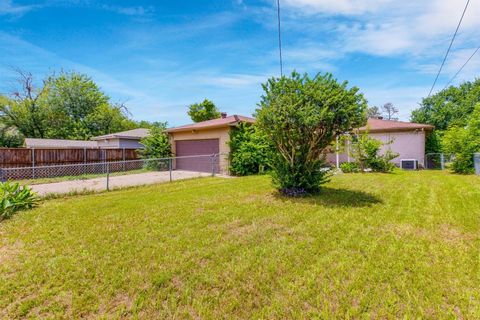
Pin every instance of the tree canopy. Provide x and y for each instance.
(65, 106)
(301, 116)
(205, 110)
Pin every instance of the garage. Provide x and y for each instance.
(189, 148)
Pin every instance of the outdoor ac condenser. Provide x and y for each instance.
(409, 164)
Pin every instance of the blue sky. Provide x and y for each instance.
(158, 57)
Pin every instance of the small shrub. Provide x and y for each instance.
(15, 197)
(157, 145)
(350, 167)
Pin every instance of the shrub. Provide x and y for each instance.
(366, 152)
(301, 116)
(250, 150)
(157, 145)
(15, 197)
(350, 167)
(464, 142)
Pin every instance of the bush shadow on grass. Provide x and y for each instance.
(331, 197)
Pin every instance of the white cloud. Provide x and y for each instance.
(347, 7)
(8, 8)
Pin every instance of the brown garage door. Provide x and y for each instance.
(193, 148)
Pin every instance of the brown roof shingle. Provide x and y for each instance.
(58, 143)
(380, 125)
(215, 123)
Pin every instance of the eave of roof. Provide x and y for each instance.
(379, 125)
(212, 124)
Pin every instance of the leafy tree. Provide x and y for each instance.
(449, 107)
(373, 112)
(10, 137)
(157, 143)
(464, 141)
(66, 106)
(250, 150)
(389, 111)
(302, 116)
(206, 110)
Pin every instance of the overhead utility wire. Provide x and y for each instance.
(280, 37)
(449, 47)
(460, 70)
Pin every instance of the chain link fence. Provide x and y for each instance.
(165, 169)
(438, 161)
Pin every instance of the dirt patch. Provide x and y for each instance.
(8, 252)
(444, 233)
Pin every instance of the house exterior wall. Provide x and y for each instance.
(222, 134)
(408, 144)
(120, 143)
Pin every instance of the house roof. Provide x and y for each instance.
(58, 143)
(135, 134)
(214, 123)
(380, 125)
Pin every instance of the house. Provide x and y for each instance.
(36, 143)
(126, 139)
(405, 138)
(204, 138)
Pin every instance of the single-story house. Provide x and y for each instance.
(204, 138)
(405, 138)
(36, 143)
(129, 139)
(126, 139)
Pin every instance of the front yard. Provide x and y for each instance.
(372, 245)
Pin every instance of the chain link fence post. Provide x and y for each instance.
(476, 163)
(170, 168)
(108, 176)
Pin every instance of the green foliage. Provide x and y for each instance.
(157, 144)
(449, 107)
(366, 152)
(206, 110)
(350, 167)
(301, 116)
(464, 141)
(250, 150)
(67, 106)
(14, 197)
(10, 137)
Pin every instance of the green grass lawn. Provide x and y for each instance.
(403, 245)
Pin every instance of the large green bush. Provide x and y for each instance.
(14, 197)
(250, 150)
(157, 145)
(301, 116)
(463, 142)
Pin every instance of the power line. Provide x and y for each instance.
(460, 70)
(280, 37)
(449, 47)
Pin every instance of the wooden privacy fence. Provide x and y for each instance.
(22, 157)
(22, 163)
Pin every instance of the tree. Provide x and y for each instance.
(373, 112)
(66, 106)
(464, 141)
(301, 116)
(389, 111)
(206, 110)
(449, 107)
(157, 143)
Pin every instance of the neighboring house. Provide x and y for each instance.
(126, 139)
(204, 138)
(35, 143)
(405, 138)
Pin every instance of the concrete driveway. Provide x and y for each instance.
(100, 184)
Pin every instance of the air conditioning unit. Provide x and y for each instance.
(409, 164)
